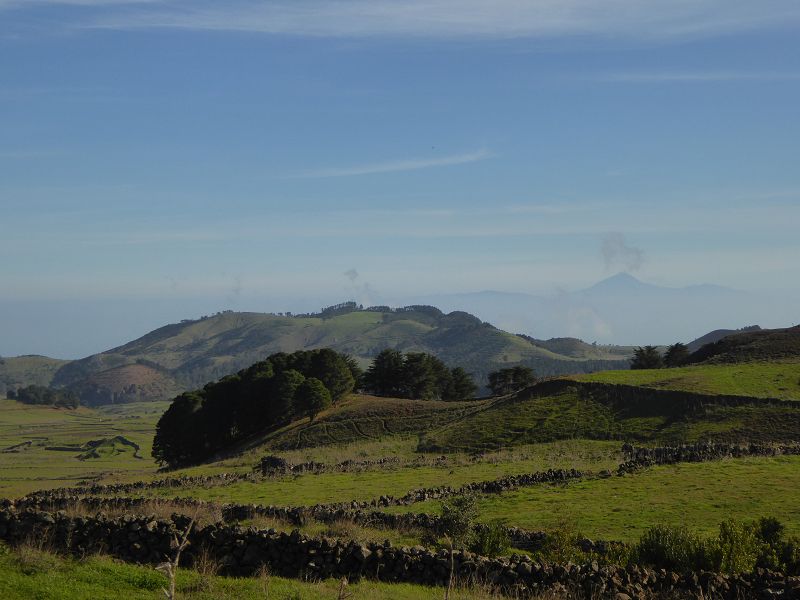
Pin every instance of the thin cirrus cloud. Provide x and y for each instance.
(394, 166)
(660, 19)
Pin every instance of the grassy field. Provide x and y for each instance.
(31, 573)
(341, 487)
(566, 409)
(697, 495)
(776, 379)
(32, 466)
(361, 418)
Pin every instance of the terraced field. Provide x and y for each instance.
(29, 434)
(458, 470)
(696, 495)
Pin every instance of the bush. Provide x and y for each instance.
(458, 516)
(674, 548)
(491, 539)
(739, 547)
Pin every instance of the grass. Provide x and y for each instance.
(774, 379)
(31, 573)
(366, 418)
(525, 420)
(397, 480)
(697, 495)
(20, 371)
(565, 409)
(33, 467)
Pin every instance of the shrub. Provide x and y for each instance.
(491, 539)
(458, 515)
(674, 548)
(739, 546)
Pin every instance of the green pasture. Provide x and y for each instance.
(697, 495)
(774, 379)
(31, 573)
(31, 466)
(309, 489)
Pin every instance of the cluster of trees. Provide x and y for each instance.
(284, 387)
(648, 357)
(510, 380)
(37, 394)
(416, 375)
(272, 392)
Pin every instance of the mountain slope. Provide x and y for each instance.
(21, 371)
(188, 354)
(752, 345)
(717, 335)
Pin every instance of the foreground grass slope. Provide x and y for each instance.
(32, 573)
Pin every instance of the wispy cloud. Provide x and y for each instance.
(691, 76)
(637, 19)
(394, 166)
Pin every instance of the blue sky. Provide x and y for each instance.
(164, 159)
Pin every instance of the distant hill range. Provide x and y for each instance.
(623, 310)
(188, 354)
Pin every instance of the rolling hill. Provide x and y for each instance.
(188, 354)
(21, 371)
(750, 345)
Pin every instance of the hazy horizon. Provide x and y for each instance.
(75, 329)
(164, 159)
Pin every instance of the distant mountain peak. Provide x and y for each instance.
(620, 281)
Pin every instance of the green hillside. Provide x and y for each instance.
(752, 345)
(663, 405)
(780, 379)
(186, 355)
(367, 418)
(21, 371)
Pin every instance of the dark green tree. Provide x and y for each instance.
(461, 385)
(283, 395)
(419, 377)
(333, 370)
(356, 371)
(384, 377)
(510, 380)
(676, 355)
(179, 440)
(312, 397)
(647, 357)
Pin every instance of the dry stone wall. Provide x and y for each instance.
(243, 551)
